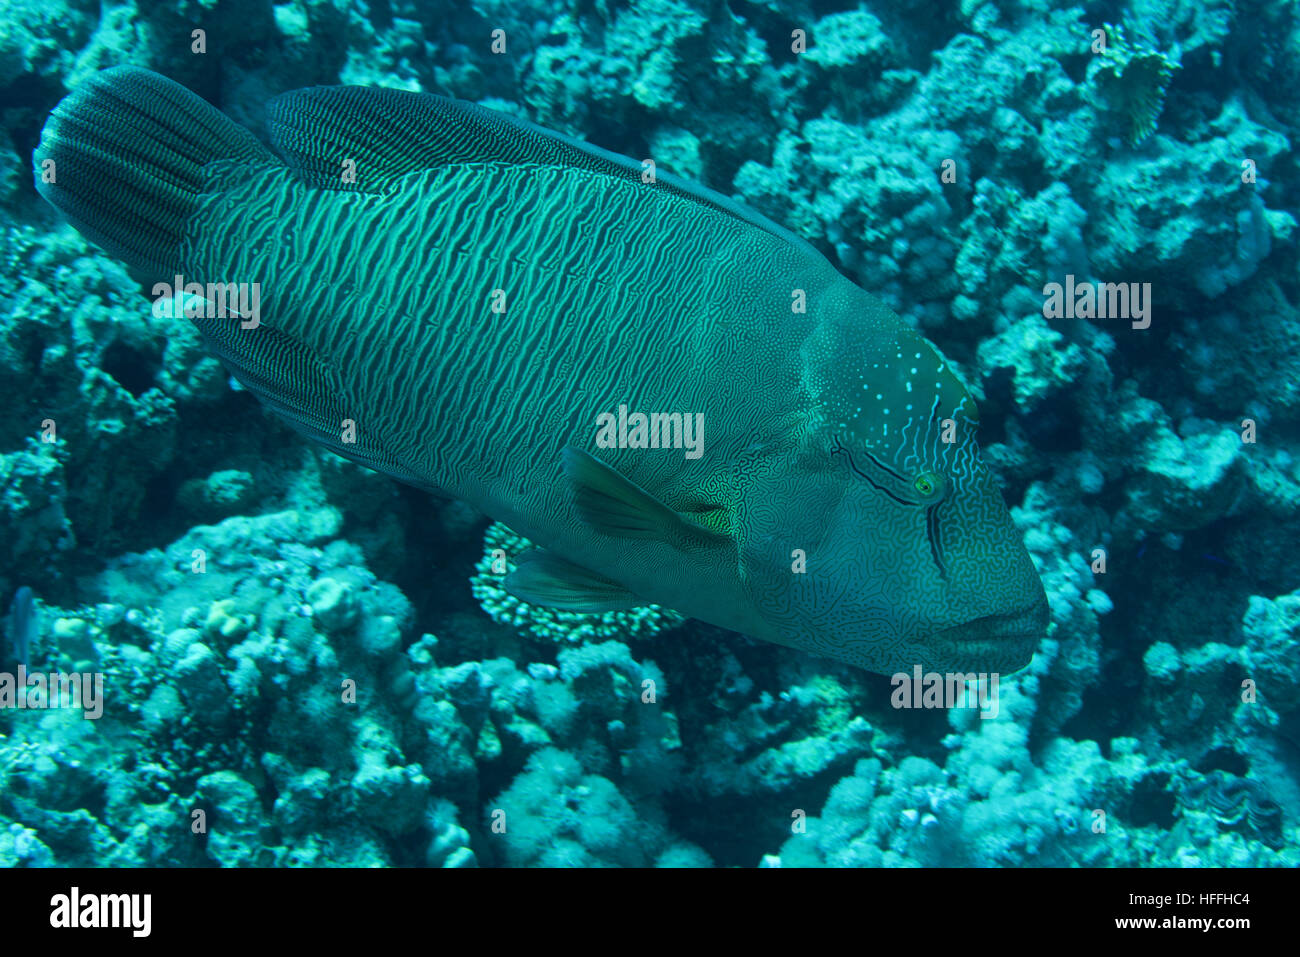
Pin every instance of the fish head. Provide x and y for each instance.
(881, 538)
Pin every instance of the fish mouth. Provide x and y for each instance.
(1002, 642)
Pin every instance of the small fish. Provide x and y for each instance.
(463, 300)
(24, 624)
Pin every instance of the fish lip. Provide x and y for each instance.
(1027, 621)
(1006, 640)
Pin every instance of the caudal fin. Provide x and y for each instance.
(123, 157)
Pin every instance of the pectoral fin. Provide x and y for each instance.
(540, 578)
(614, 505)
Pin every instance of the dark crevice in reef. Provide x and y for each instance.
(1111, 710)
(381, 14)
(25, 103)
(1053, 427)
(430, 557)
(772, 26)
(1156, 591)
(1155, 588)
(1075, 65)
(1224, 759)
(233, 432)
(993, 408)
(1221, 554)
(733, 829)
(134, 369)
(1164, 381)
(1150, 803)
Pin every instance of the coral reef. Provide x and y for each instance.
(305, 665)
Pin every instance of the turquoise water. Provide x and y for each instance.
(283, 658)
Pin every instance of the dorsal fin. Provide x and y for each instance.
(390, 133)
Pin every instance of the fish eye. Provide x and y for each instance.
(930, 484)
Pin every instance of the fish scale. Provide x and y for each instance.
(621, 292)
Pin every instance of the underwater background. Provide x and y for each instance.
(306, 663)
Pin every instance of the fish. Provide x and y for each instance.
(24, 624)
(500, 313)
